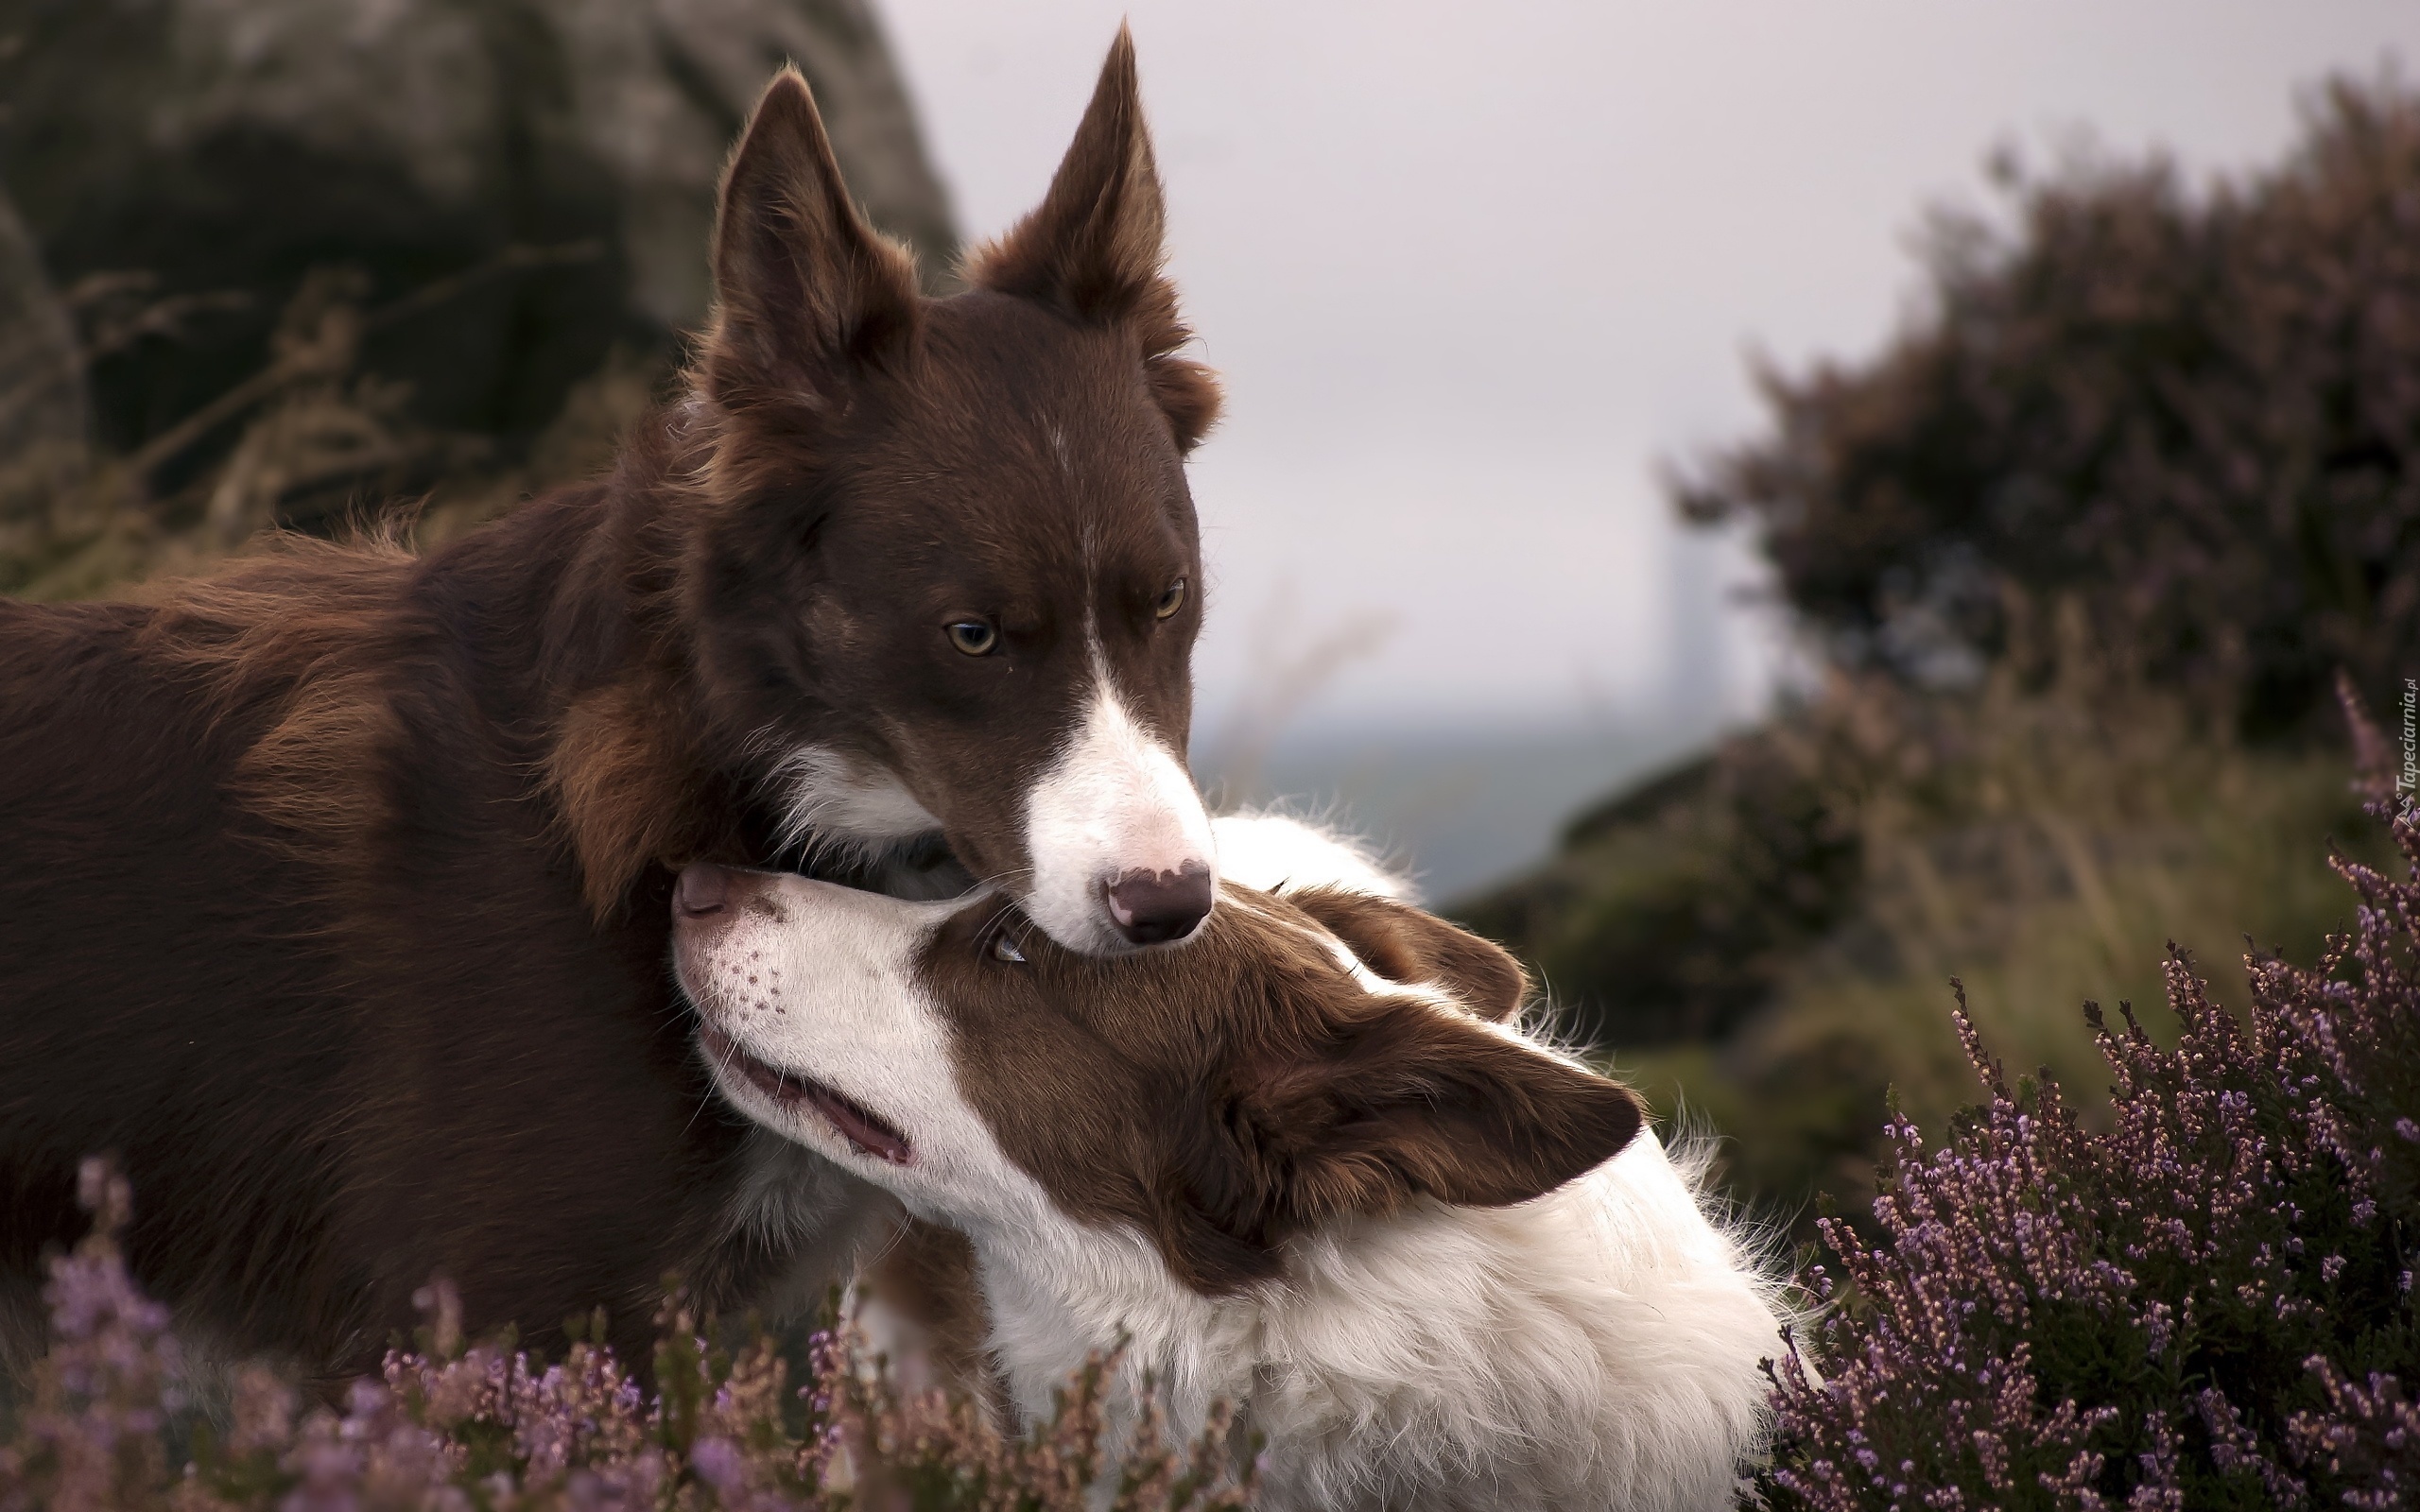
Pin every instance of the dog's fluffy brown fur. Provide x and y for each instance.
(337, 900)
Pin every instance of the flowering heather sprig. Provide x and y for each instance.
(90, 1436)
(967, 1462)
(2209, 1305)
(450, 1428)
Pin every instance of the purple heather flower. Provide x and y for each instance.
(2166, 1247)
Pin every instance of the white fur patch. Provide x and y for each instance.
(1118, 799)
(1596, 1347)
(1273, 850)
(830, 797)
(821, 984)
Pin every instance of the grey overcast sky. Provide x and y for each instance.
(1471, 270)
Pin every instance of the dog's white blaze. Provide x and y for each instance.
(831, 796)
(1115, 800)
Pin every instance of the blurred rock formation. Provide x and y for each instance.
(394, 243)
(42, 372)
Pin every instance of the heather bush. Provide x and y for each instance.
(450, 1426)
(2207, 1304)
(2195, 408)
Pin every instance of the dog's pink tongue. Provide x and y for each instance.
(878, 1140)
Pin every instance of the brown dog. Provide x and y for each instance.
(336, 890)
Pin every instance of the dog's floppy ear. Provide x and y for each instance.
(1402, 1099)
(806, 291)
(1404, 944)
(1409, 1100)
(1094, 248)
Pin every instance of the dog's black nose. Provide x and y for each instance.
(703, 889)
(1153, 907)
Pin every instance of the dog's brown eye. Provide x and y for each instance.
(1005, 948)
(1171, 601)
(975, 637)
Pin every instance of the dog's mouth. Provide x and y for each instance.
(866, 1130)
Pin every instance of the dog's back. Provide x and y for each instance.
(1596, 1347)
(133, 896)
(343, 1032)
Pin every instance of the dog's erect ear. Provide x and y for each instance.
(805, 292)
(1403, 944)
(1093, 250)
(1095, 246)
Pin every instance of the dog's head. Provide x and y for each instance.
(944, 573)
(1310, 1056)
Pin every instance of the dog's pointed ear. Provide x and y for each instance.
(806, 291)
(1095, 248)
(1409, 946)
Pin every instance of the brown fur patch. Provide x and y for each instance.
(1227, 1094)
(1408, 946)
(617, 773)
(927, 1276)
(303, 633)
(1096, 247)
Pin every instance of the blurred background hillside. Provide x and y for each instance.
(1765, 510)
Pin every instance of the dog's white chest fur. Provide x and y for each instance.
(1597, 1347)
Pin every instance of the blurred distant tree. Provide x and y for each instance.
(2195, 411)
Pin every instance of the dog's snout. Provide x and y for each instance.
(1153, 907)
(703, 890)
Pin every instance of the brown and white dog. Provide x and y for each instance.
(335, 894)
(1305, 1164)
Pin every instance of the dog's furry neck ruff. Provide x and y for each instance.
(1595, 1347)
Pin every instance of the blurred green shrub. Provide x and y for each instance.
(2048, 846)
(1672, 910)
(1762, 941)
